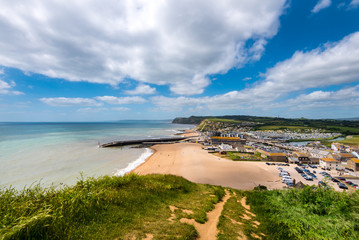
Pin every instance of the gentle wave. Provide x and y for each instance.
(132, 165)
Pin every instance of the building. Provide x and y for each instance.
(353, 164)
(316, 153)
(344, 157)
(235, 142)
(302, 157)
(337, 146)
(330, 163)
(274, 157)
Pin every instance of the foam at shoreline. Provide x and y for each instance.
(132, 165)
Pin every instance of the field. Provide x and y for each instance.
(224, 120)
(351, 140)
(238, 156)
(292, 128)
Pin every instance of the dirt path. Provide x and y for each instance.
(208, 230)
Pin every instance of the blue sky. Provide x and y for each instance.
(113, 60)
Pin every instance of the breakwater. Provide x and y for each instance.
(141, 141)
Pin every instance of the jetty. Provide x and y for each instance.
(146, 141)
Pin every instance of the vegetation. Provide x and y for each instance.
(106, 208)
(237, 222)
(133, 206)
(240, 156)
(310, 213)
(292, 128)
(351, 140)
(346, 127)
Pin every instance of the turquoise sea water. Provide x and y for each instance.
(55, 153)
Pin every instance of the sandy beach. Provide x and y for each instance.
(190, 161)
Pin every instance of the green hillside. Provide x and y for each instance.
(135, 207)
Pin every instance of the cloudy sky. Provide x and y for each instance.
(157, 59)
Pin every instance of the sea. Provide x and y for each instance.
(59, 154)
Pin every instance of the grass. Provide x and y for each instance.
(310, 213)
(224, 120)
(106, 208)
(232, 223)
(237, 156)
(133, 206)
(293, 128)
(351, 140)
(344, 130)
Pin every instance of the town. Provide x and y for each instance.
(305, 147)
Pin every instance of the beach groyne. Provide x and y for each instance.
(141, 142)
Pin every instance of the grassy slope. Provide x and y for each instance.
(132, 206)
(307, 214)
(107, 208)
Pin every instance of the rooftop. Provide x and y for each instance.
(329, 160)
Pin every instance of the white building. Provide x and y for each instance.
(225, 146)
(330, 163)
(316, 153)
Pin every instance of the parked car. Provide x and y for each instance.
(342, 185)
(334, 180)
(290, 184)
(309, 178)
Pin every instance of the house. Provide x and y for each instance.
(353, 164)
(271, 156)
(224, 146)
(330, 163)
(302, 157)
(315, 153)
(344, 157)
(227, 140)
(337, 146)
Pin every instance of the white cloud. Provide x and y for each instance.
(66, 102)
(5, 88)
(121, 100)
(120, 109)
(347, 97)
(354, 3)
(321, 5)
(101, 109)
(91, 110)
(175, 43)
(141, 89)
(334, 64)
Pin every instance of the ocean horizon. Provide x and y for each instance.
(57, 153)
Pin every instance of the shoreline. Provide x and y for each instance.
(190, 161)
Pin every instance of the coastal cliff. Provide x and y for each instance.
(190, 120)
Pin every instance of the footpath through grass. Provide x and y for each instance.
(133, 207)
(127, 207)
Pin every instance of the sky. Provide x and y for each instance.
(159, 59)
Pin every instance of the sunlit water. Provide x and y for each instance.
(55, 153)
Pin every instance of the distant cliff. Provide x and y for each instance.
(189, 120)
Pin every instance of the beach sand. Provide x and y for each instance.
(190, 161)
